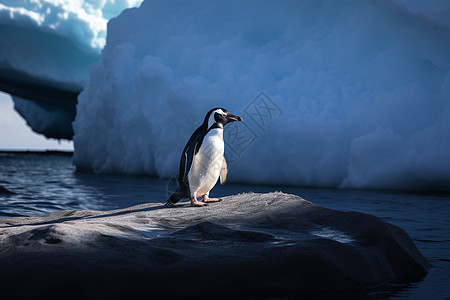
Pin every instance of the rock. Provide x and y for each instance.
(248, 244)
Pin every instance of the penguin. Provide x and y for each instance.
(202, 161)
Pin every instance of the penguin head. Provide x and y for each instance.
(220, 116)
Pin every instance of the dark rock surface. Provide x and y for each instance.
(248, 244)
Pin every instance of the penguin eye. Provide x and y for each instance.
(224, 115)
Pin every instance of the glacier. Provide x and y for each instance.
(350, 94)
(46, 49)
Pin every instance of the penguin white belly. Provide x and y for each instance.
(207, 163)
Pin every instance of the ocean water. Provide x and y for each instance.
(39, 183)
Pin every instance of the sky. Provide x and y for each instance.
(15, 134)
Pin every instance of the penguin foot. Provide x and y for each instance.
(196, 203)
(207, 199)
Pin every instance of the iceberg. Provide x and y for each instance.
(46, 50)
(333, 94)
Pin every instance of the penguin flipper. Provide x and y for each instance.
(191, 149)
(185, 163)
(224, 172)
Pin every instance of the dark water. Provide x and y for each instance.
(43, 183)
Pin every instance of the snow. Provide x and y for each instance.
(55, 40)
(358, 91)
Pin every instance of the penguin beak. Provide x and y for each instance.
(233, 118)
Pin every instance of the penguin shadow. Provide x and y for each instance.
(124, 211)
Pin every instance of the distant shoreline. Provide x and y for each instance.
(39, 152)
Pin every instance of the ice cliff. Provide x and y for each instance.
(333, 93)
(46, 48)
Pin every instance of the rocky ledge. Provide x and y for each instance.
(248, 244)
